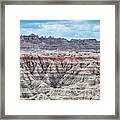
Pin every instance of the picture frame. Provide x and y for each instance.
(2, 60)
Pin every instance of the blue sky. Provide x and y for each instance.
(69, 29)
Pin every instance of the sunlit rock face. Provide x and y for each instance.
(59, 75)
(59, 69)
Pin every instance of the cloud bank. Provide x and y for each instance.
(69, 29)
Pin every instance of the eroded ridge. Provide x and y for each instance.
(59, 75)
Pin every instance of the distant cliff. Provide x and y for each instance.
(34, 42)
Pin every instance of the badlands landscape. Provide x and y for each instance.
(58, 69)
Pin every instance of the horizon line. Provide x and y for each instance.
(59, 37)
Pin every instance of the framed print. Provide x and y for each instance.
(60, 59)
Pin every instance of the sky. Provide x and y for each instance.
(69, 29)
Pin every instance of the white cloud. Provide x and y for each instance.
(95, 28)
(55, 27)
